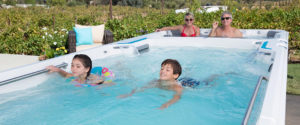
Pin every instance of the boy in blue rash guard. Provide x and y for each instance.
(190, 82)
(169, 73)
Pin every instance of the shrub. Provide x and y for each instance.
(30, 1)
(56, 2)
(75, 3)
(22, 31)
(11, 2)
(268, 6)
(85, 20)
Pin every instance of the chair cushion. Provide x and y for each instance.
(83, 36)
(84, 47)
(97, 32)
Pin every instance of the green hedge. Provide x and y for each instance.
(284, 19)
(22, 31)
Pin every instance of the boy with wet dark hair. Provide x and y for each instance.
(174, 64)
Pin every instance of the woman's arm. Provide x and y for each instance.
(176, 97)
(60, 71)
(179, 27)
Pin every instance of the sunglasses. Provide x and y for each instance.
(189, 20)
(227, 18)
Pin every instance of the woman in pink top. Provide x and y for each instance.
(188, 29)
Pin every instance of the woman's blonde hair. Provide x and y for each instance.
(189, 14)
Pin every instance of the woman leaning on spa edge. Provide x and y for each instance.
(188, 29)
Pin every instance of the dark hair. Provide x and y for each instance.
(175, 65)
(86, 61)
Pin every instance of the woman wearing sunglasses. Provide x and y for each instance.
(187, 29)
(225, 30)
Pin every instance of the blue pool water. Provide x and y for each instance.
(223, 101)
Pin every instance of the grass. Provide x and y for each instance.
(295, 55)
(293, 81)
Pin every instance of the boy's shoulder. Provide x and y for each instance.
(175, 85)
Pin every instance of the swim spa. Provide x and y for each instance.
(242, 65)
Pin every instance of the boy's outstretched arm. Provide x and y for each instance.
(176, 97)
(136, 90)
(127, 95)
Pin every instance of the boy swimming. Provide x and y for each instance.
(168, 75)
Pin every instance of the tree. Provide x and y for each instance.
(110, 9)
(162, 7)
(11, 2)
